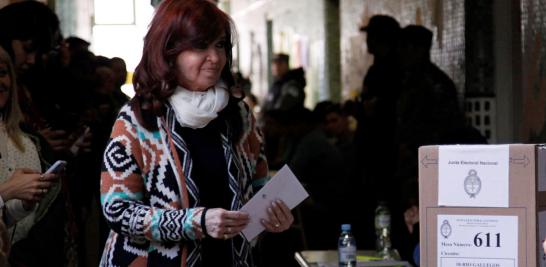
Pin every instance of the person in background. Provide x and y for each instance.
(35, 43)
(33, 34)
(428, 113)
(77, 45)
(119, 68)
(375, 112)
(428, 109)
(335, 121)
(22, 184)
(184, 154)
(336, 124)
(244, 86)
(33, 30)
(287, 92)
(285, 96)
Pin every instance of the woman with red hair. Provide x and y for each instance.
(184, 153)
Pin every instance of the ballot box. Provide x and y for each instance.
(482, 205)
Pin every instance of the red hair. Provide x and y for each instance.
(177, 26)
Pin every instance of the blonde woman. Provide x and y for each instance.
(21, 183)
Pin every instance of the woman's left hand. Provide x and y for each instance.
(280, 217)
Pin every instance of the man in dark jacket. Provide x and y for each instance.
(376, 115)
(287, 92)
(428, 107)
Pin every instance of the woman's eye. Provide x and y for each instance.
(29, 49)
(221, 44)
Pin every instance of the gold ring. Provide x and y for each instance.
(42, 177)
(277, 225)
(229, 230)
(225, 237)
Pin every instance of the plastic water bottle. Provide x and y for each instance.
(382, 221)
(346, 247)
(387, 252)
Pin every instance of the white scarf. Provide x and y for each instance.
(195, 109)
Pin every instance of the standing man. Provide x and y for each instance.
(376, 116)
(287, 92)
(428, 108)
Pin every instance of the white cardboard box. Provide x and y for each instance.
(474, 235)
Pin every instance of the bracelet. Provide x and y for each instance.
(203, 226)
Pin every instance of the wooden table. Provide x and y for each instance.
(328, 258)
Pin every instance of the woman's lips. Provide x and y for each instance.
(211, 69)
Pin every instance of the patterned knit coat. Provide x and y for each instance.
(152, 204)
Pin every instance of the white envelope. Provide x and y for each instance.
(284, 186)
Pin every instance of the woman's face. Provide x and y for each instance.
(24, 55)
(198, 69)
(5, 84)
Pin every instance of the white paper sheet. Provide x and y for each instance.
(477, 240)
(473, 175)
(284, 186)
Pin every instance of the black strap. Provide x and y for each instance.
(203, 226)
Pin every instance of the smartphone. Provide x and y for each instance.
(57, 167)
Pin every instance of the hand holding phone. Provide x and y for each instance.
(57, 167)
(80, 141)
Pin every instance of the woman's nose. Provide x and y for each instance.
(31, 59)
(213, 55)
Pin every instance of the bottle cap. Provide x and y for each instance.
(346, 227)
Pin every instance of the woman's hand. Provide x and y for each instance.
(27, 185)
(225, 224)
(82, 143)
(280, 217)
(57, 139)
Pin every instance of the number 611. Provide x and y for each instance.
(479, 239)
